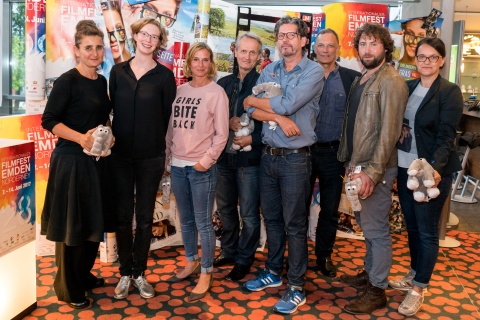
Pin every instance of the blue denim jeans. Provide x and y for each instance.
(284, 184)
(422, 220)
(194, 193)
(239, 186)
(134, 179)
(373, 219)
(329, 171)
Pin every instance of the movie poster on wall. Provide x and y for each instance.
(17, 189)
(114, 17)
(345, 18)
(29, 127)
(406, 34)
(35, 56)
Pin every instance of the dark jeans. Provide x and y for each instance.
(239, 186)
(422, 220)
(284, 183)
(329, 171)
(135, 184)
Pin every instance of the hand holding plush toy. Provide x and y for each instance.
(103, 140)
(421, 180)
(248, 125)
(271, 89)
(352, 187)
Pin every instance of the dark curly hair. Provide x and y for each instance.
(378, 32)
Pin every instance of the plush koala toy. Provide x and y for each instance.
(103, 139)
(352, 187)
(271, 89)
(248, 125)
(421, 181)
(165, 187)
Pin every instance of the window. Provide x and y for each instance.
(13, 60)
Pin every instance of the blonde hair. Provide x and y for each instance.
(162, 38)
(212, 71)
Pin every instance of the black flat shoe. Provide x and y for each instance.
(221, 260)
(174, 279)
(100, 282)
(238, 272)
(326, 267)
(197, 296)
(79, 305)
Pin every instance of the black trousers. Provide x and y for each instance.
(73, 275)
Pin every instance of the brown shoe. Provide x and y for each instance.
(358, 280)
(372, 299)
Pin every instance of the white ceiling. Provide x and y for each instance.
(468, 10)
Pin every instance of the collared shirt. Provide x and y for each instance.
(302, 88)
(332, 108)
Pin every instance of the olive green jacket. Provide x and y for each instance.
(378, 123)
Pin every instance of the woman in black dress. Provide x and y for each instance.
(73, 214)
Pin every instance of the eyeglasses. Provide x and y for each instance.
(165, 20)
(411, 38)
(289, 35)
(118, 34)
(146, 35)
(432, 59)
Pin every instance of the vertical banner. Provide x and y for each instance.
(35, 24)
(180, 49)
(201, 22)
(116, 34)
(17, 189)
(345, 18)
(318, 23)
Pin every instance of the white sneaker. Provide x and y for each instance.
(121, 290)
(404, 284)
(412, 303)
(145, 288)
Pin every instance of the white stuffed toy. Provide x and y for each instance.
(421, 180)
(103, 140)
(165, 186)
(248, 125)
(271, 89)
(352, 187)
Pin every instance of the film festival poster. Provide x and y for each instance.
(345, 18)
(406, 34)
(17, 205)
(114, 17)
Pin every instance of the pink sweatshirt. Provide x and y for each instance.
(198, 129)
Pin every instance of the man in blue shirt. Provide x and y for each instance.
(325, 165)
(285, 165)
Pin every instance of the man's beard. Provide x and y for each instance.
(377, 61)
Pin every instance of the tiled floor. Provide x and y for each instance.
(468, 214)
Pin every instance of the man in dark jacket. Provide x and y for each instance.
(325, 165)
(237, 181)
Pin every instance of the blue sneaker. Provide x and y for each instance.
(265, 280)
(291, 300)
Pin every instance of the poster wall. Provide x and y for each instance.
(345, 18)
(17, 189)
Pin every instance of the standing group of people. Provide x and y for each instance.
(331, 122)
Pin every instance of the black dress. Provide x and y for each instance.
(73, 213)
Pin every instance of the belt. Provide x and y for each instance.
(327, 144)
(284, 151)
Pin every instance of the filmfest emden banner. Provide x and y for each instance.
(345, 18)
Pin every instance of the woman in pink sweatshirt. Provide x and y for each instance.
(196, 137)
